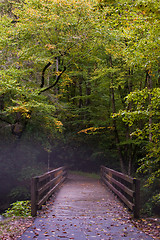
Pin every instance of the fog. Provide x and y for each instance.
(19, 162)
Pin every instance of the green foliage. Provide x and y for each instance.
(30, 171)
(142, 110)
(156, 202)
(19, 193)
(149, 197)
(19, 208)
(106, 102)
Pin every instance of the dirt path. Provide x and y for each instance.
(83, 209)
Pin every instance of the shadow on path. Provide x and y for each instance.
(83, 209)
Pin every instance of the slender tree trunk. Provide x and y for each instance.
(57, 69)
(88, 93)
(80, 92)
(73, 91)
(149, 82)
(128, 137)
(68, 95)
(1, 102)
(129, 151)
(48, 162)
(118, 141)
(114, 122)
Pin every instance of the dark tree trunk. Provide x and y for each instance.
(149, 81)
(121, 158)
(80, 92)
(88, 93)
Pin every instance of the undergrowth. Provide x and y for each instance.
(19, 208)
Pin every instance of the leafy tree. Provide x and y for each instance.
(89, 69)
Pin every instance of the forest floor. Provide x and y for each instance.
(12, 228)
(82, 209)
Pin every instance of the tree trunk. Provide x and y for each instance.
(88, 93)
(73, 91)
(114, 122)
(80, 92)
(149, 83)
(57, 68)
(128, 137)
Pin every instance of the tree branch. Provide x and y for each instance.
(6, 121)
(54, 83)
(44, 69)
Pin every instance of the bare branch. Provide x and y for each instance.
(44, 69)
(54, 83)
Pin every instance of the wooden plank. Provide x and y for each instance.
(49, 184)
(122, 186)
(58, 184)
(122, 197)
(118, 174)
(45, 198)
(44, 187)
(51, 179)
(65, 173)
(44, 176)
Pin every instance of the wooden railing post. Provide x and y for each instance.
(124, 186)
(101, 172)
(42, 187)
(137, 198)
(34, 196)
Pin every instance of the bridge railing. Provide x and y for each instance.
(42, 187)
(124, 186)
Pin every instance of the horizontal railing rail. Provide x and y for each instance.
(124, 186)
(42, 187)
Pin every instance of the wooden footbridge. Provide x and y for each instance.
(124, 186)
(84, 208)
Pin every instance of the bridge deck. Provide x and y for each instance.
(83, 209)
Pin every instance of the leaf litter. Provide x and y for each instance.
(55, 224)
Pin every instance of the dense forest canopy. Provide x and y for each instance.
(80, 85)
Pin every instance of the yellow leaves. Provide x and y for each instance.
(58, 124)
(23, 110)
(66, 81)
(90, 130)
(58, 73)
(50, 46)
(111, 128)
(51, 124)
(20, 109)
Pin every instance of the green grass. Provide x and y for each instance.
(85, 174)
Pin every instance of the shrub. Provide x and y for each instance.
(19, 193)
(19, 208)
(150, 198)
(156, 203)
